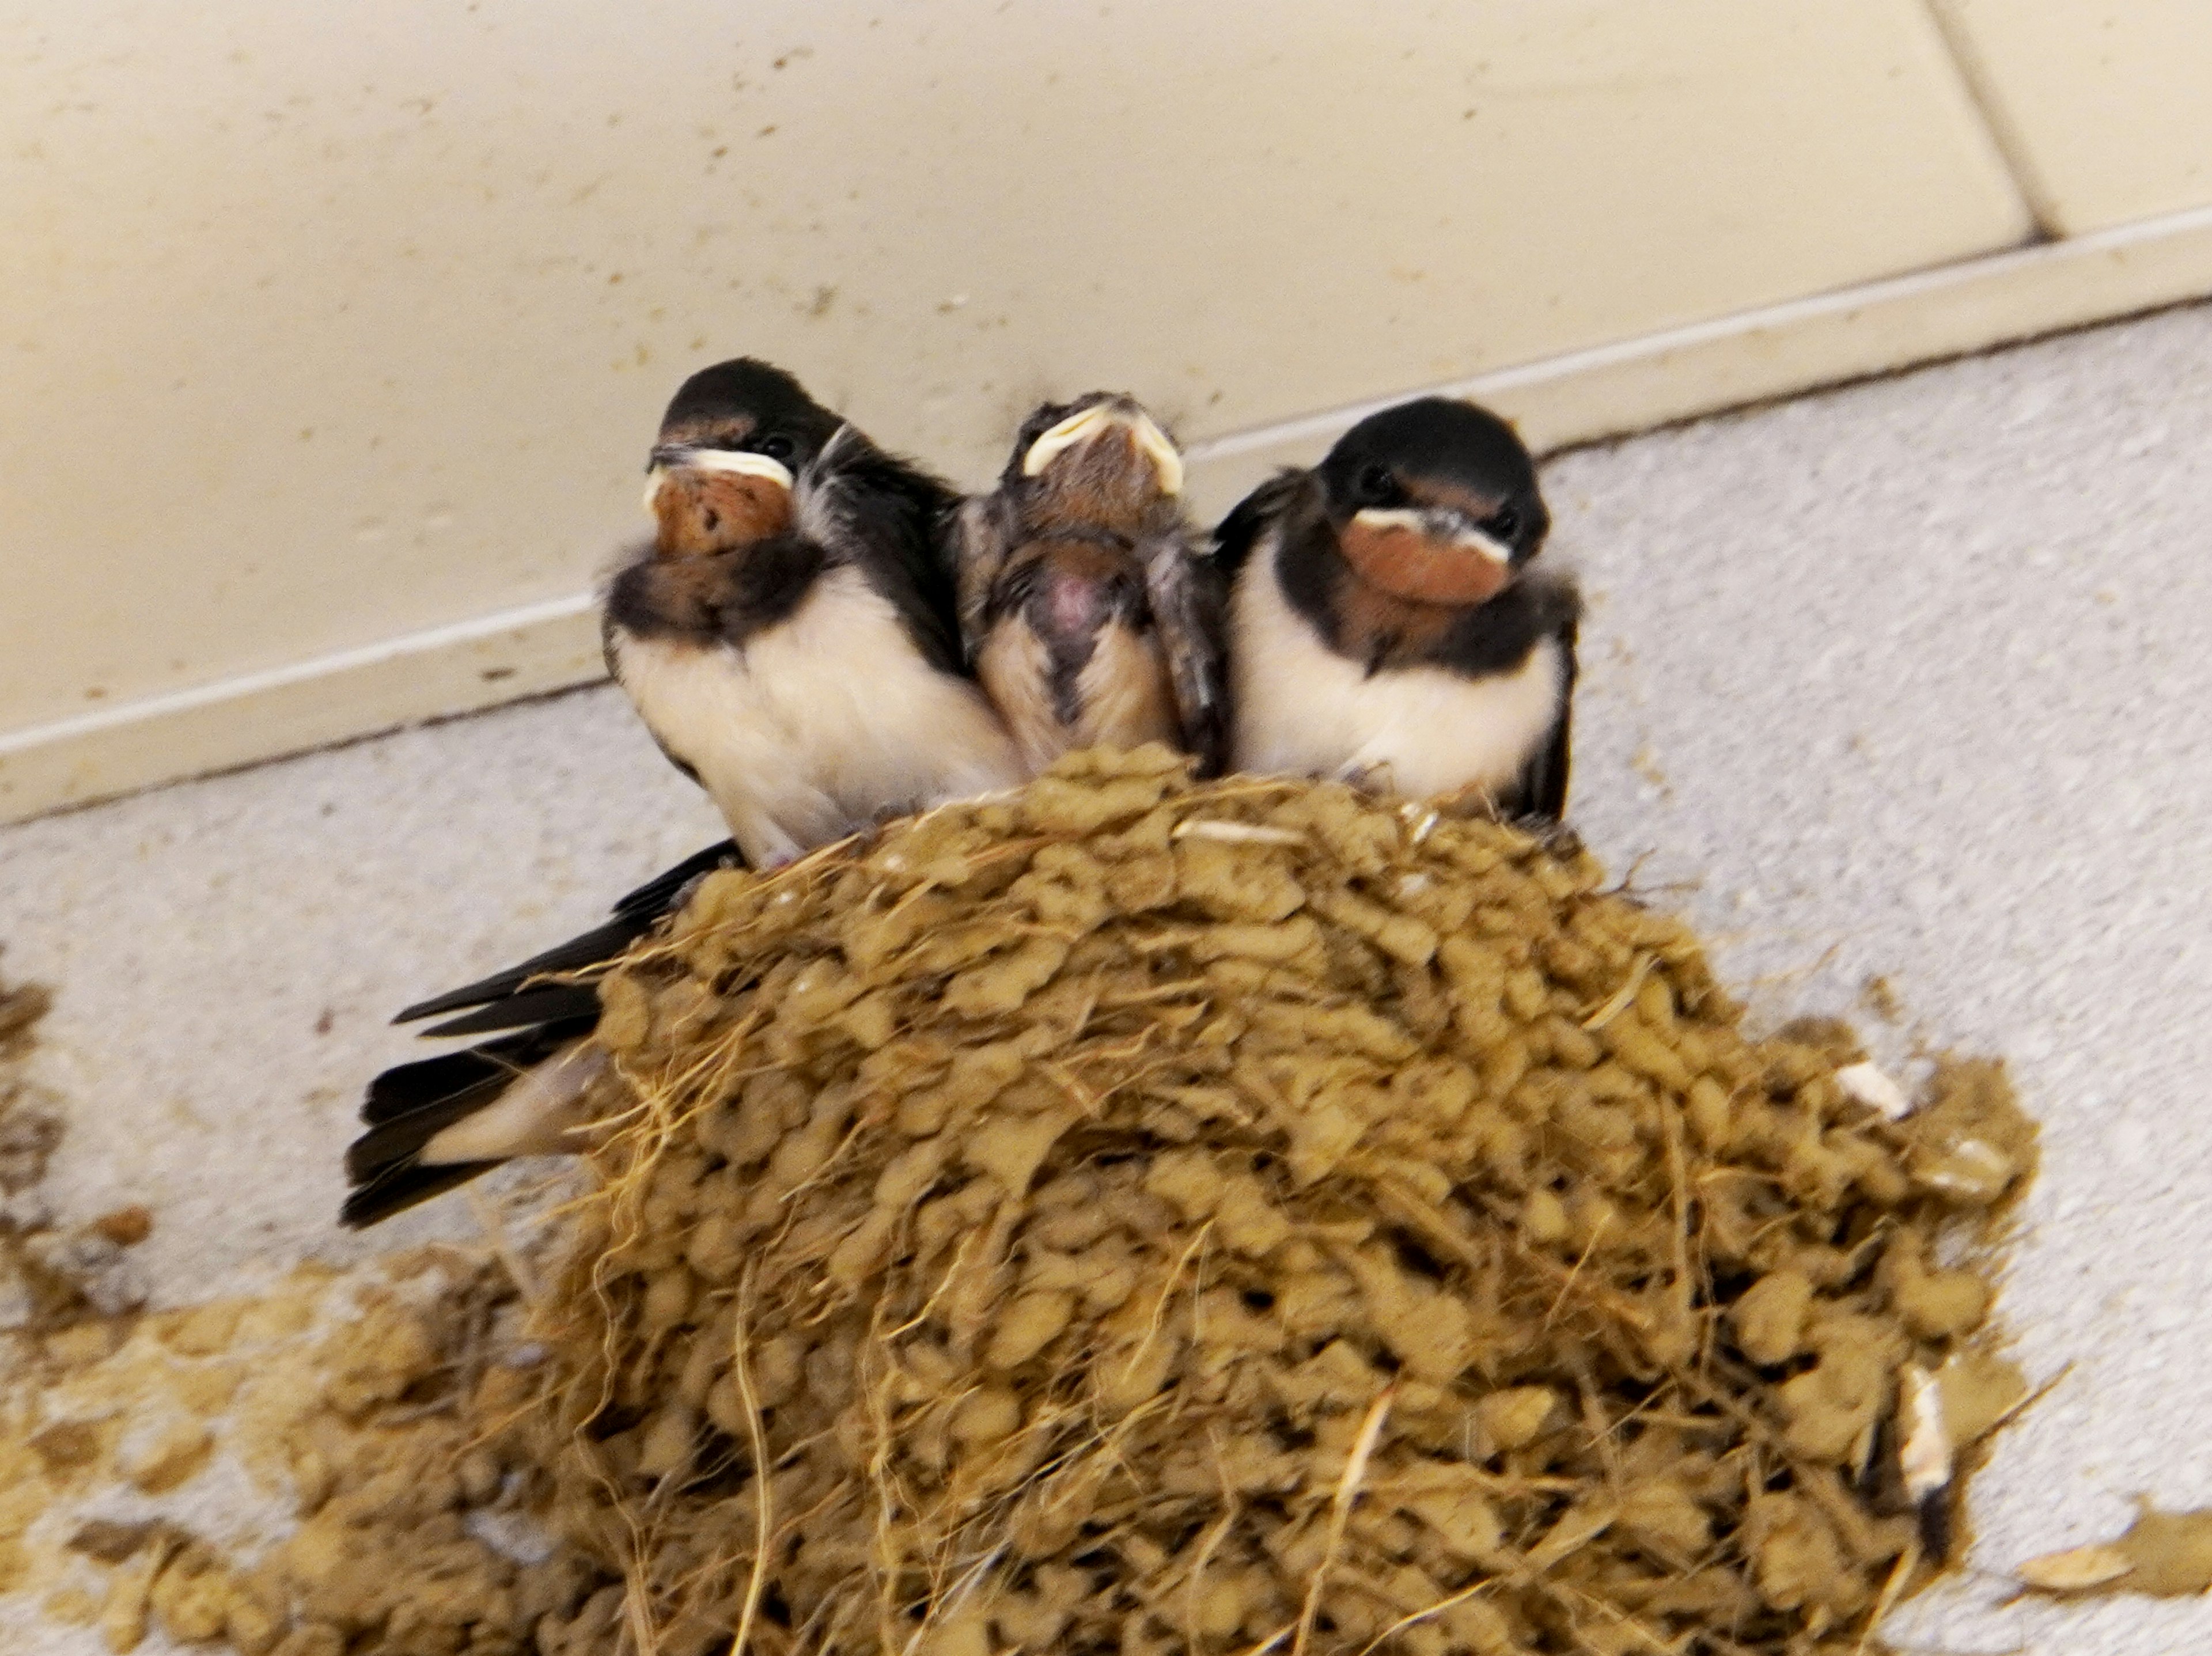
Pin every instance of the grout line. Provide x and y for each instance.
(1987, 96)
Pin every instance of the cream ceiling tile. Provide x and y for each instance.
(2104, 106)
(323, 325)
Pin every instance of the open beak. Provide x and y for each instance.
(1081, 427)
(1438, 525)
(675, 457)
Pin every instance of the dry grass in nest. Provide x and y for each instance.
(1137, 1215)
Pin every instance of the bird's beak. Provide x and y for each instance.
(1081, 427)
(675, 457)
(1439, 527)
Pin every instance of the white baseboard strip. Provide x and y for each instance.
(461, 667)
(1801, 345)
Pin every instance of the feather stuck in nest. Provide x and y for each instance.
(1137, 1215)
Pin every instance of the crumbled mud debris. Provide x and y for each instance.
(49, 1277)
(2162, 1555)
(341, 1463)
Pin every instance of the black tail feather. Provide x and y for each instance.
(660, 894)
(541, 1002)
(396, 1142)
(593, 948)
(427, 1083)
(400, 1187)
(410, 1104)
(634, 916)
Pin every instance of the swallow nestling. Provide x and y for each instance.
(1089, 604)
(1383, 623)
(789, 637)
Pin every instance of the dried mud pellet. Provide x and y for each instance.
(1402, 937)
(1003, 984)
(1571, 1045)
(1980, 1390)
(704, 1363)
(1769, 1320)
(253, 1619)
(1055, 805)
(1515, 1418)
(1030, 1325)
(1666, 1520)
(1971, 1172)
(1940, 1304)
(2077, 1569)
(1830, 1405)
(665, 1447)
(1709, 1114)
(821, 988)
(158, 1461)
(625, 1014)
(668, 1301)
(1643, 1051)
(1544, 1217)
(1797, 1556)
(311, 1639)
(124, 1612)
(716, 1247)
(480, 1477)
(194, 1609)
(1249, 883)
(1654, 1005)
(1526, 996)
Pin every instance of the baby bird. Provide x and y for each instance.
(789, 637)
(1088, 605)
(1384, 625)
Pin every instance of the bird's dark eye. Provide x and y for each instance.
(777, 448)
(1376, 483)
(1504, 523)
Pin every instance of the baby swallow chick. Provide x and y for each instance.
(1089, 607)
(789, 635)
(1385, 626)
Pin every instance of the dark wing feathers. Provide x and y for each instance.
(601, 942)
(406, 1089)
(1541, 789)
(410, 1104)
(1236, 535)
(1543, 606)
(665, 890)
(888, 516)
(401, 1186)
(979, 538)
(1189, 597)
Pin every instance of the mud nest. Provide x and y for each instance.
(1136, 1216)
